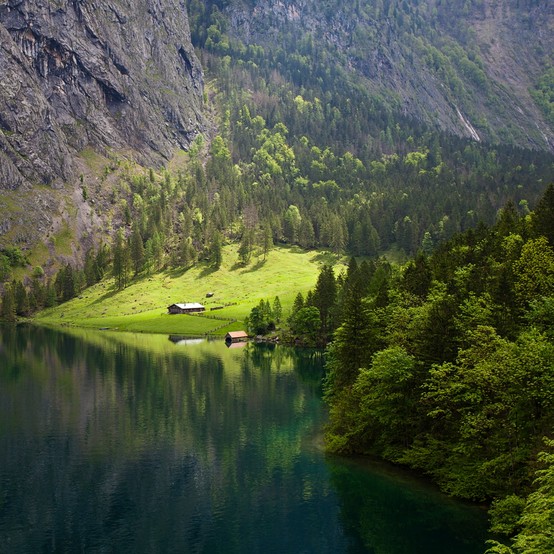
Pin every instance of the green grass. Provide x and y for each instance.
(94, 161)
(38, 254)
(142, 306)
(63, 240)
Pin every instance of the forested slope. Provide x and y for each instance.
(309, 125)
(478, 69)
(304, 150)
(448, 367)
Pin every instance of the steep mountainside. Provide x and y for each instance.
(78, 74)
(379, 106)
(471, 68)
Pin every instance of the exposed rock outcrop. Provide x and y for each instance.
(78, 73)
(464, 67)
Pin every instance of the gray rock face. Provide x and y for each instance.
(78, 73)
(420, 55)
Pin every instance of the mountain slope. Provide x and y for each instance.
(121, 77)
(333, 108)
(469, 68)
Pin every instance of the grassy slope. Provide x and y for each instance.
(142, 306)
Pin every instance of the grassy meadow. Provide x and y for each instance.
(142, 306)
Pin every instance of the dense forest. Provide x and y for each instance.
(304, 132)
(446, 365)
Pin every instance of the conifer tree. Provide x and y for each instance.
(291, 221)
(245, 248)
(298, 303)
(137, 250)
(8, 304)
(543, 217)
(188, 252)
(277, 310)
(36, 294)
(267, 242)
(101, 261)
(216, 251)
(121, 260)
(354, 340)
(49, 294)
(22, 307)
(89, 267)
(324, 299)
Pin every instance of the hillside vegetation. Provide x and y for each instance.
(355, 126)
(419, 127)
(448, 367)
(478, 69)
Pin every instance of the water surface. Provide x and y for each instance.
(114, 442)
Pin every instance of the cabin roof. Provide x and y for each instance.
(188, 305)
(237, 334)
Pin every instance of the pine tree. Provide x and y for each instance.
(267, 242)
(37, 291)
(292, 220)
(188, 252)
(324, 299)
(297, 305)
(137, 250)
(22, 307)
(121, 260)
(65, 283)
(245, 248)
(354, 340)
(50, 294)
(157, 250)
(69, 288)
(8, 304)
(101, 261)
(277, 310)
(89, 267)
(306, 235)
(543, 217)
(216, 251)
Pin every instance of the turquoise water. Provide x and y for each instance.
(113, 442)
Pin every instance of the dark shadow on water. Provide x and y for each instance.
(424, 521)
(187, 340)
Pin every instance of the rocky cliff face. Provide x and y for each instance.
(469, 67)
(80, 73)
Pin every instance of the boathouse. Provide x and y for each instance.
(186, 308)
(236, 336)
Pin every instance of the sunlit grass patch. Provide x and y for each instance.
(142, 306)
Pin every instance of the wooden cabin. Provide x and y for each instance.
(186, 308)
(236, 336)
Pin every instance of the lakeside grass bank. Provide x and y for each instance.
(142, 306)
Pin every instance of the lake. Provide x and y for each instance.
(116, 442)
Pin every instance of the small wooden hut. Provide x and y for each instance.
(186, 308)
(236, 336)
